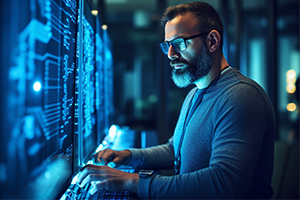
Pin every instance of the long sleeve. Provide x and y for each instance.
(227, 151)
(157, 157)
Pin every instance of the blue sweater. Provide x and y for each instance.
(227, 150)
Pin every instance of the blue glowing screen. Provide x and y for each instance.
(86, 72)
(39, 97)
(56, 94)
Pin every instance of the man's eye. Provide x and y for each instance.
(179, 44)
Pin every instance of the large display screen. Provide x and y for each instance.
(53, 109)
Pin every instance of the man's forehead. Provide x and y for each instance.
(181, 25)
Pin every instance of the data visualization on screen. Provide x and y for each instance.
(53, 108)
(39, 97)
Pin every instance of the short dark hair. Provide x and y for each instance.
(206, 15)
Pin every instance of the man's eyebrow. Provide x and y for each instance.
(181, 36)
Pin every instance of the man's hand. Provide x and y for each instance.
(104, 177)
(112, 158)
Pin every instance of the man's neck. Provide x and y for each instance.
(213, 73)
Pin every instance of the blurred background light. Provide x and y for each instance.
(94, 12)
(104, 27)
(37, 86)
(291, 107)
(291, 80)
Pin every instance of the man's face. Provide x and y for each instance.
(193, 63)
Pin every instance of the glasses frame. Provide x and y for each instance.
(162, 45)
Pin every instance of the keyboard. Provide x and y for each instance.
(75, 192)
(123, 138)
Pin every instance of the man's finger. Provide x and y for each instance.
(96, 185)
(107, 156)
(86, 170)
(104, 156)
(98, 156)
(90, 178)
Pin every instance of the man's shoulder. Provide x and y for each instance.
(234, 87)
(233, 78)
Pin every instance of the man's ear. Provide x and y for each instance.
(214, 40)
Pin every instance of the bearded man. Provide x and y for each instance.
(223, 143)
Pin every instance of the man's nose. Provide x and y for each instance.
(172, 54)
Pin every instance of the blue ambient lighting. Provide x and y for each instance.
(37, 86)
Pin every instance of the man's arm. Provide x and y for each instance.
(241, 157)
(157, 157)
(105, 177)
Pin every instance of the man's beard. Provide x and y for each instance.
(196, 69)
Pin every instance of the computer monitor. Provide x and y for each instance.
(108, 107)
(38, 63)
(94, 83)
(56, 91)
(86, 136)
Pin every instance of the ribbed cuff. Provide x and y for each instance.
(136, 158)
(144, 187)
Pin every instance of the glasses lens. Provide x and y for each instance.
(164, 47)
(179, 45)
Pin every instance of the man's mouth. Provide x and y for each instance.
(178, 66)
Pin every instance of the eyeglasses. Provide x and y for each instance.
(178, 44)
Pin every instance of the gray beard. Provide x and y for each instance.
(196, 69)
